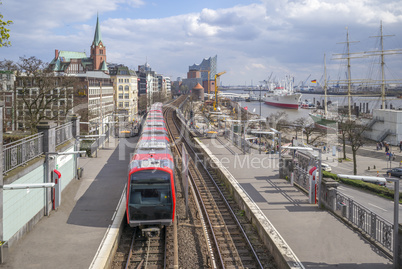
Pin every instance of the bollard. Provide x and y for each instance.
(368, 168)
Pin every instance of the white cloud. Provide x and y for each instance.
(251, 41)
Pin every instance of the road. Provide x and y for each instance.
(381, 206)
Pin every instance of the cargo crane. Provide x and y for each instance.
(266, 82)
(305, 82)
(216, 102)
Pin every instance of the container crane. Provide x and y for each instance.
(216, 102)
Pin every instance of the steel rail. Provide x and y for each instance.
(203, 212)
(226, 203)
(130, 253)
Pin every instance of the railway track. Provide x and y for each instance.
(227, 241)
(148, 251)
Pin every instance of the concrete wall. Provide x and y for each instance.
(20, 206)
(388, 119)
(22, 209)
(66, 165)
(281, 252)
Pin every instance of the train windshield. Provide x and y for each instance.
(150, 196)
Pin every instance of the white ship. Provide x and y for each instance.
(283, 96)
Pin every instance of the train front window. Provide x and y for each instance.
(150, 195)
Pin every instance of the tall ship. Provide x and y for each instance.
(324, 120)
(328, 120)
(283, 96)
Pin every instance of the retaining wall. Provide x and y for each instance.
(282, 253)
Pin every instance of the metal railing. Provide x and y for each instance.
(237, 140)
(384, 135)
(370, 223)
(64, 133)
(99, 142)
(22, 151)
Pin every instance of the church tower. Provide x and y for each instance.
(98, 50)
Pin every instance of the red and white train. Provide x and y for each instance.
(151, 192)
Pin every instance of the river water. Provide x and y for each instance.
(341, 100)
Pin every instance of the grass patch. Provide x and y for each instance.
(344, 160)
(370, 187)
(241, 213)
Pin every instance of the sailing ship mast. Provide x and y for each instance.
(348, 57)
(382, 52)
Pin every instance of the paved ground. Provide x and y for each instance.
(317, 238)
(70, 237)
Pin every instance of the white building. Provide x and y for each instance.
(386, 126)
(125, 85)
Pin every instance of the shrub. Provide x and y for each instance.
(370, 187)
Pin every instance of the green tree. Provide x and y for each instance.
(4, 32)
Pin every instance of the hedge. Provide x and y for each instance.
(372, 188)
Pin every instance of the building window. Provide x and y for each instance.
(8, 111)
(120, 96)
(126, 104)
(126, 96)
(120, 104)
(120, 88)
(126, 88)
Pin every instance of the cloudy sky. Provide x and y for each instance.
(251, 38)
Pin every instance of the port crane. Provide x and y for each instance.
(216, 102)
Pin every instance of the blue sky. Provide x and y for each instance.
(252, 38)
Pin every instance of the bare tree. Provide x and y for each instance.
(355, 136)
(343, 128)
(142, 102)
(41, 93)
(309, 129)
(8, 65)
(278, 120)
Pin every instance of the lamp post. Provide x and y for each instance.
(279, 142)
(396, 222)
(260, 104)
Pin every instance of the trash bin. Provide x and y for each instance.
(79, 172)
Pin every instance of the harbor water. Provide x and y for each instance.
(365, 103)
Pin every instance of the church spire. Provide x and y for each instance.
(98, 36)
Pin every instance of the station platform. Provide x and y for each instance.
(70, 237)
(316, 237)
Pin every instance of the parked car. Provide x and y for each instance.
(395, 172)
(326, 167)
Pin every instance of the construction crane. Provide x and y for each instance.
(305, 82)
(216, 102)
(265, 82)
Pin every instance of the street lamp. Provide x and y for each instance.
(396, 221)
(260, 103)
(279, 142)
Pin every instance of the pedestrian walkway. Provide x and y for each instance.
(70, 237)
(317, 237)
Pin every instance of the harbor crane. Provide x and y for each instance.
(266, 82)
(216, 102)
